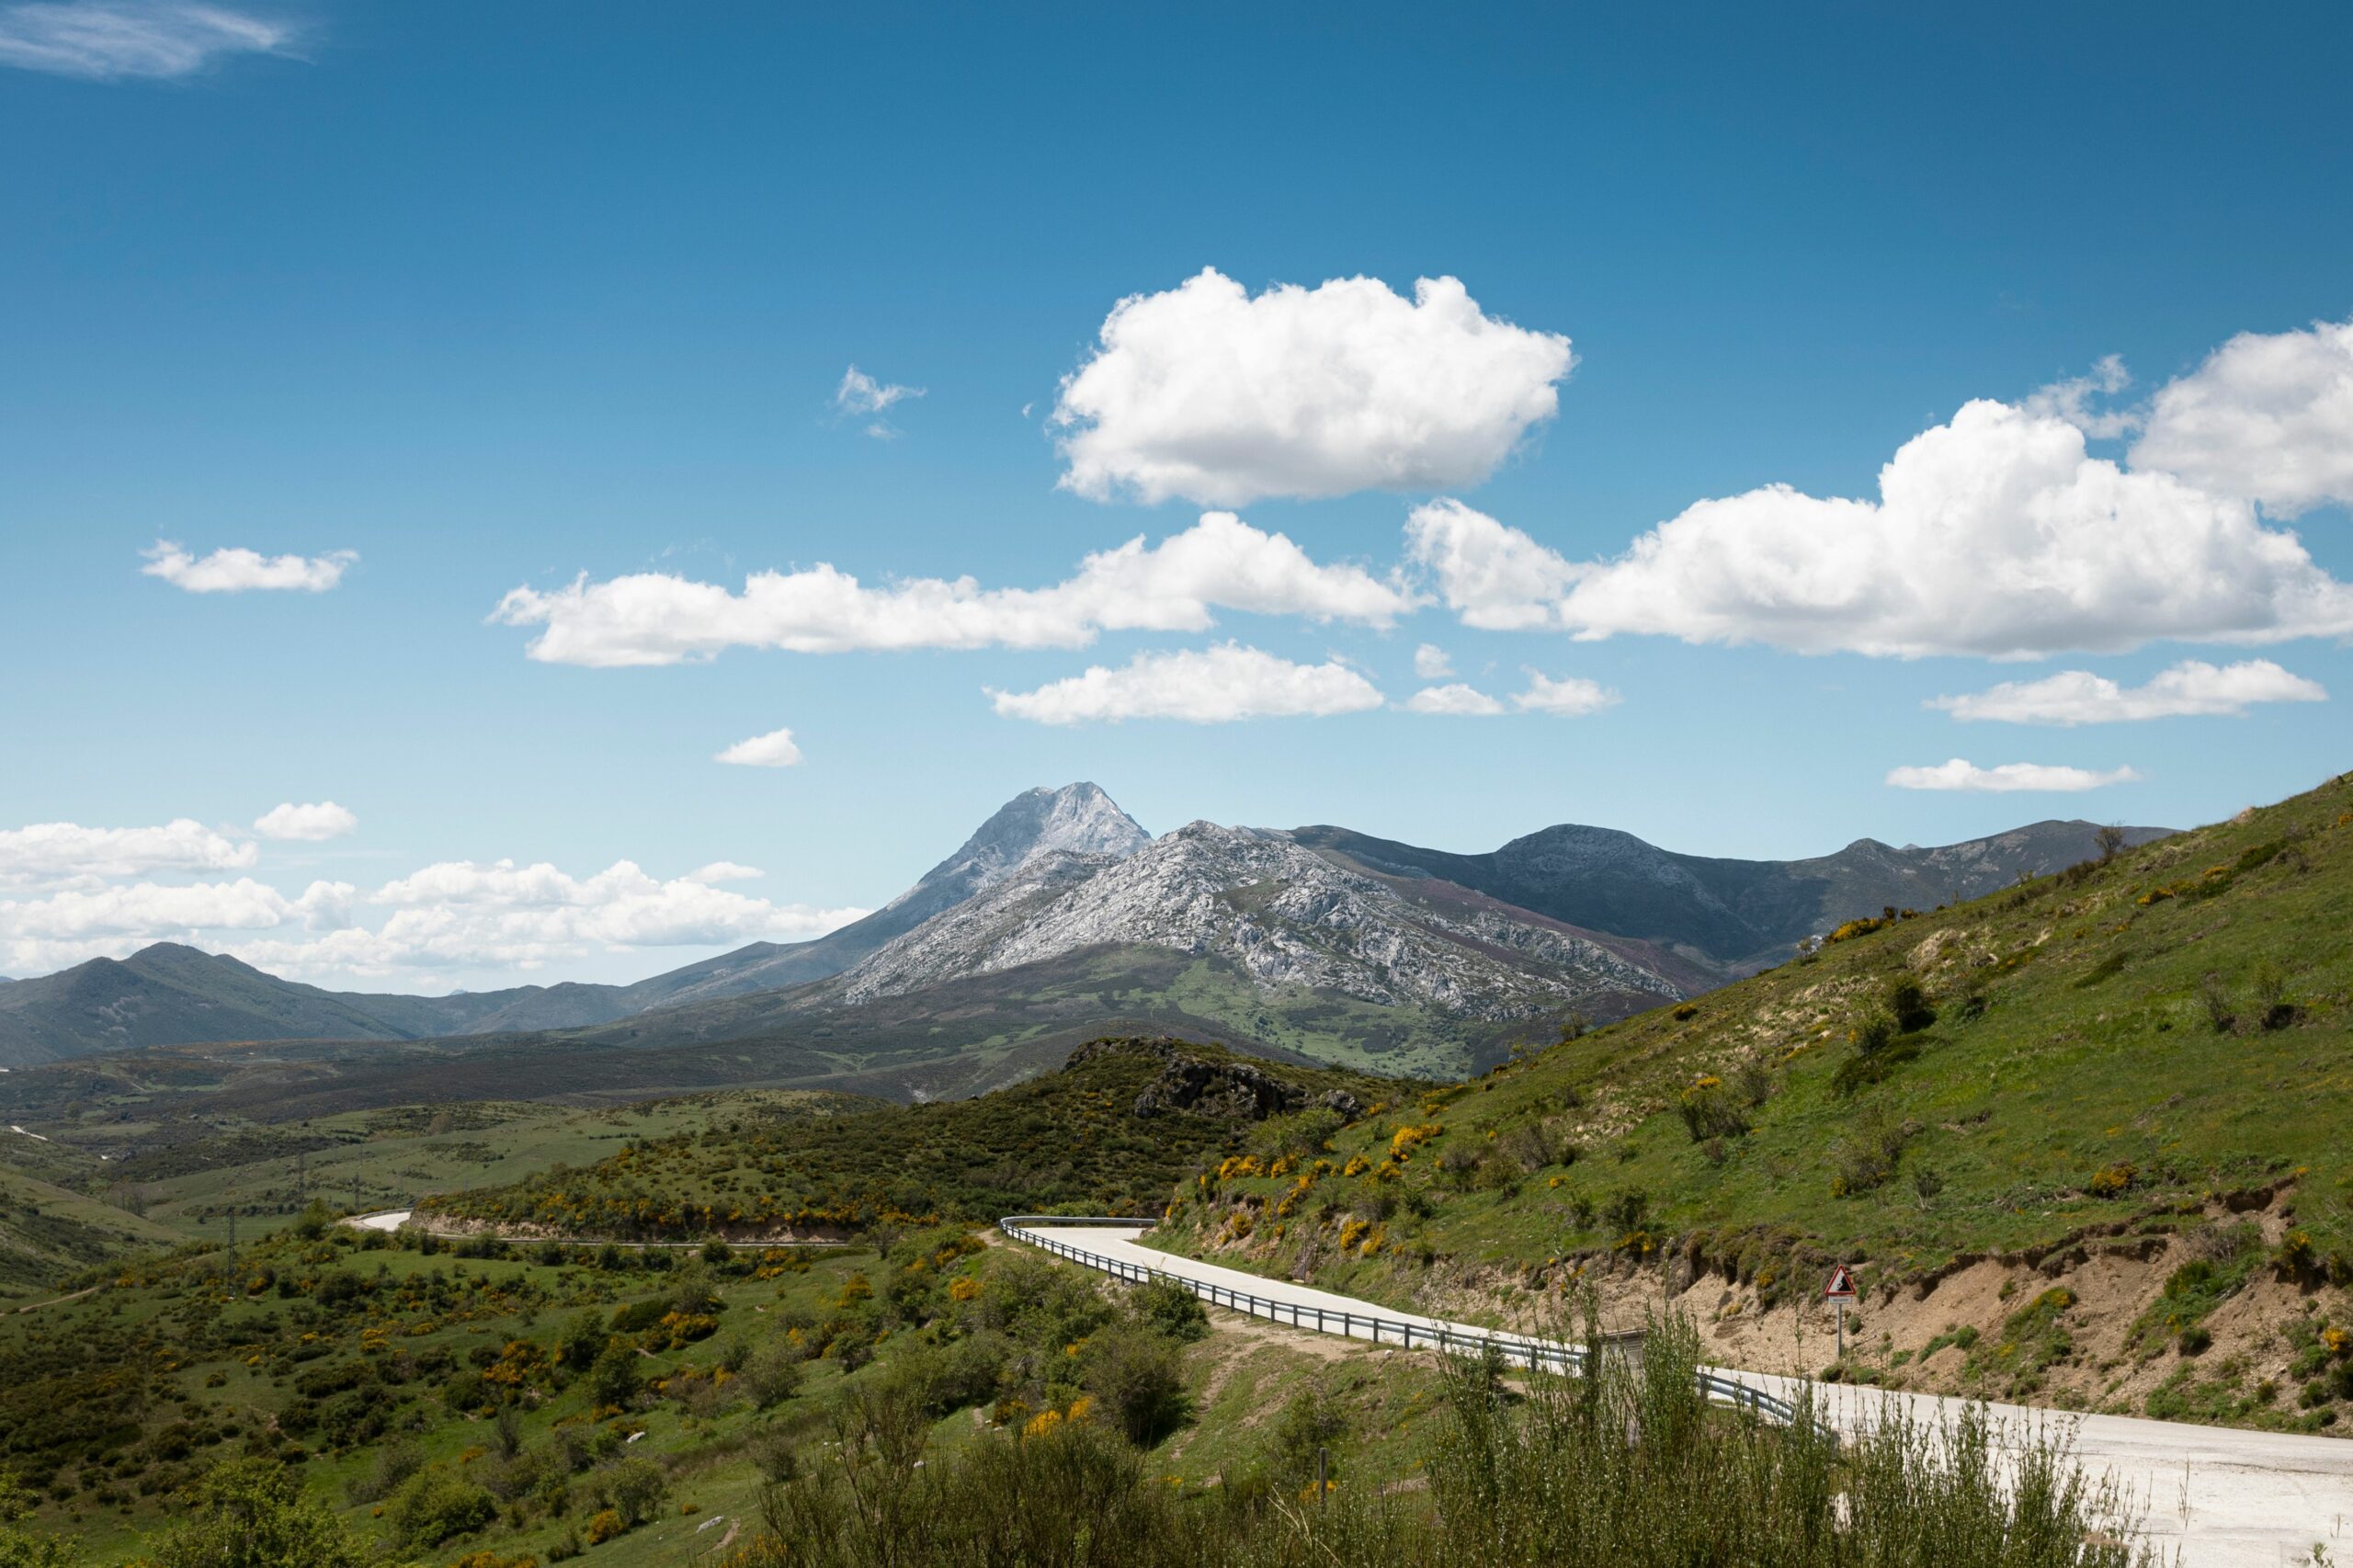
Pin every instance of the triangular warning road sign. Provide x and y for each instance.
(1841, 1286)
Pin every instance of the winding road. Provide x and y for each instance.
(2222, 1497)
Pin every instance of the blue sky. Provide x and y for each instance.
(502, 297)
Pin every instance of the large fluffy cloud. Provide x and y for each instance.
(1206, 686)
(2268, 415)
(239, 571)
(2008, 777)
(1220, 562)
(310, 823)
(1996, 534)
(1206, 393)
(106, 39)
(55, 851)
(2191, 688)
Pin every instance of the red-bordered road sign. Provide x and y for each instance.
(1841, 1287)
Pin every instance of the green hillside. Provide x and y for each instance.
(1071, 1140)
(51, 1235)
(2136, 1061)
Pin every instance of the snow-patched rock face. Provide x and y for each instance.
(1284, 914)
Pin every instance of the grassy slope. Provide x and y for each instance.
(2093, 1052)
(63, 1211)
(1069, 1140)
(48, 1234)
(166, 1373)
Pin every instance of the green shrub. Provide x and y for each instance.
(253, 1511)
(771, 1374)
(1138, 1380)
(615, 1380)
(1907, 1005)
(635, 1488)
(1172, 1310)
(435, 1504)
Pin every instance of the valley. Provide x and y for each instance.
(2041, 1124)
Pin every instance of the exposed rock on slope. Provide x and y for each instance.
(1283, 915)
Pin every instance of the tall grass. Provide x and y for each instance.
(1629, 1467)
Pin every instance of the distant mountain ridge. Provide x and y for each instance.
(1732, 916)
(1057, 884)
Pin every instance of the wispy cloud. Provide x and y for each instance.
(236, 571)
(107, 40)
(860, 393)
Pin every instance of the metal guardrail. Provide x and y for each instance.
(1537, 1354)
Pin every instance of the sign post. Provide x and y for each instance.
(1841, 1289)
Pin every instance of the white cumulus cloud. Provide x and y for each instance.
(483, 918)
(774, 749)
(2268, 415)
(311, 824)
(1992, 535)
(236, 571)
(1205, 685)
(1492, 575)
(1454, 698)
(1207, 392)
(155, 911)
(2192, 687)
(52, 851)
(1571, 697)
(2008, 777)
(1431, 663)
(109, 40)
(1220, 562)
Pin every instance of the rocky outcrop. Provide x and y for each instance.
(1285, 915)
(1236, 1091)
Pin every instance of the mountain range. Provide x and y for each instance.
(1061, 911)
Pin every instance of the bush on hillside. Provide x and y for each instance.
(1172, 1310)
(435, 1504)
(1137, 1380)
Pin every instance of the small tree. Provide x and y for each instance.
(1141, 1381)
(637, 1487)
(2111, 841)
(251, 1512)
(19, 1547)
(614, 1379)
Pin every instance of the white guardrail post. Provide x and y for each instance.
(1560, 1357)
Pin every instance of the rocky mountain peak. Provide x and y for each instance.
(1077, 819)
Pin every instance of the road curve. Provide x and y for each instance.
(2225, 1498)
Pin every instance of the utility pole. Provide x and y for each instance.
(232, 1251)
(355, 1192)
(302, 1175)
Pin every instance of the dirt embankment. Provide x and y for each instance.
(2080, 1324)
